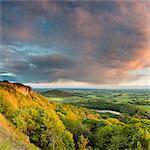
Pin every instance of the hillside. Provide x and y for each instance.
(57, 93)
(13, 139)
(28, 117)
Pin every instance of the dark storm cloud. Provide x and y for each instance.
(98, 42)
(51, 61)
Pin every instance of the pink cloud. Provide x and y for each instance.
(86, 24)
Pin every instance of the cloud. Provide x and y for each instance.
(59, 84)
(48, 67)
(23, 34)
(51, 61)
(86, 24)
(96, 42)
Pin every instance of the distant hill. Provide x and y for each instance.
(57, 93)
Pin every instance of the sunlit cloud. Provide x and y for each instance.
(98, 43)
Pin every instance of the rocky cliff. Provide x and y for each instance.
(16, 86)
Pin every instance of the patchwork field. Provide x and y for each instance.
(134, 102)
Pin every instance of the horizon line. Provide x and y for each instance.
(36, 86)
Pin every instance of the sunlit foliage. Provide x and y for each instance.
(56, 126)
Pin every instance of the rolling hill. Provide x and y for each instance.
(57, 93)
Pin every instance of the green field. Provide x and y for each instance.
(132, 102)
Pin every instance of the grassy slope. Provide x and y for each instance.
(11, 138)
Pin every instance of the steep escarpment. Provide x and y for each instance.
(22, 88)
(16, 86)
(15, 95)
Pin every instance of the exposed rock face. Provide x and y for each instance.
(22, 88)
(16, 86)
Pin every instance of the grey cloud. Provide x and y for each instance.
(98, 42)
(51, 61)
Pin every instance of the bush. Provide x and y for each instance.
(43, 128)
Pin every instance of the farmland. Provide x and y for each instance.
(134, 102)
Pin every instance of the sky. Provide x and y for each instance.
(75, 43)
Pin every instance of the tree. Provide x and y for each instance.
(139, 146)
(82, 143)
(44, 129)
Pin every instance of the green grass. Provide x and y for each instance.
(147, 108)
(6, 144)
(55, 99)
